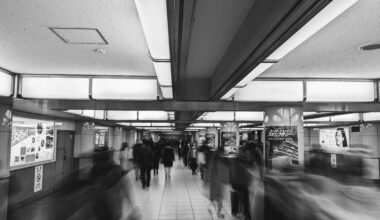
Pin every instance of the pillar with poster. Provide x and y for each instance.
(282, 144)
(230, 139)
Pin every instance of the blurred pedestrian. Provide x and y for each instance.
(185, 151)
(156, 158)
(167, 159)
(193, 156)
(136, 158)
(146, 159)
(203, 154)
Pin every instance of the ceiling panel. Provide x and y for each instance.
(333, 52)
(27, 45)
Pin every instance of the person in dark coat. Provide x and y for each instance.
(192, 158)
(146, 159)
(136, 158)
(185, 151)
(167, 159)
(156, 158)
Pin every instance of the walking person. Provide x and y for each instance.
(137, 158)
(193, 156)
(146, 158)
(203, 154)
(185, 151)
(167, 159)
(126, 157)
(156, 158)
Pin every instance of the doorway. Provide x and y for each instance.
(64, 169)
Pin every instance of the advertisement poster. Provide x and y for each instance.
(202, 138)
(282, 143)
(334, 138)
(101, 137)
(32, 142)
(229, 144)
(38, 176)
(210, 141)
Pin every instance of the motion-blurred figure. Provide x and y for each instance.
(192, 158)
(156, 158)
(136, 158)
(146, 162)
(167, 158)
(203, 155)
(185, 151)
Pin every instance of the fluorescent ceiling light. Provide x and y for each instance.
(167, 92)
(218, 116)
(371, 116)
(154, 20)
(291, 91)
(353, 117)
(338, 91)
(230, 93)
(262, 67)
(324, 119)
(55, 87)
(329, 13)
(5, 84)
(162, 124)
(249, 116)
(122, 115)
(205, 125)
(141, 124)
(153, 115)
(125, 89)
(309, 113)
(163, 72)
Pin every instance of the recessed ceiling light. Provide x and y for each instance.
(101, 51)
(370, 46)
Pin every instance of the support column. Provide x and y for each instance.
(229, 140)
(284, 138)
(5, 146)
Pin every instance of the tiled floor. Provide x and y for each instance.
(181, 197)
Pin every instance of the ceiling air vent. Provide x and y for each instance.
(79, 35)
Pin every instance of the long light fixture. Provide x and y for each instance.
(154, 21)
(5, 84)
(121, 115)
(262, 67)
(124, 89)
(291, 91)
(329, 13)
(54, 87)
(153, 115)
(340, 91)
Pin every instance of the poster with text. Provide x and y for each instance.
(32, 142)
(38, 176)
(334, 138)
(282, 143)
(101, 137)
(229, 144)
(210, 141)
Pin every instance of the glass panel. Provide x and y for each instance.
(338, 91)
(126, 89)
(249, 116)
(55, 88)
(153, 17)
(291, 91)
(164, 73)
(167, 92)
(5, 84)
(153, 115)
(122, 115)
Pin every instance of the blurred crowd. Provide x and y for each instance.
(241, 180)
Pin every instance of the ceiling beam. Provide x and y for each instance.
(194, 106)
(258, 38)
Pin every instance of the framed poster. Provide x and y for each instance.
(32, 143)
(38, 176)
(211, 142)
(101, 137)
(334, 138)
(229, 144)
(282, 143)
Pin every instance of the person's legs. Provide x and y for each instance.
(166, 172)
(169, 170)
(137, 171)
(245, 200)
(143, 176)
(148, 170)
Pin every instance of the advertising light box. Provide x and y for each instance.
(33, 142)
